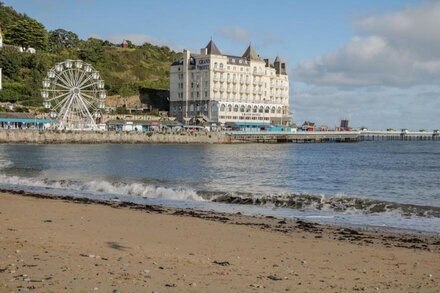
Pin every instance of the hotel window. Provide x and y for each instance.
(192, 95)
(215, 65)
(198, 94)
(222, 107)
(192, 85)
(192, 75)
(229, 67)
(221, 65)
(206, 94)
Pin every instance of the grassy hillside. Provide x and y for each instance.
(125, 71)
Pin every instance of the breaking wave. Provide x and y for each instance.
(116, 188)
(338, 204)
(5, 163)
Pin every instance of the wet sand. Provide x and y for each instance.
(73, 245)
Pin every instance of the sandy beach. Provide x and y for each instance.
(83, 246)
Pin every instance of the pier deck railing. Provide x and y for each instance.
(331, 136)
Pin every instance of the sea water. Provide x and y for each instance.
(372, 184)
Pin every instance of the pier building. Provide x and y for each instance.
(216, 87)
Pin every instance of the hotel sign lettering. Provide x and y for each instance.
(250, 115)
(203, 64)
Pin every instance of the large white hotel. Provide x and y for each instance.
(223, 88)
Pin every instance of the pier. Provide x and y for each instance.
(332, 136)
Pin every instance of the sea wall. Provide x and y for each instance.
(90, 137)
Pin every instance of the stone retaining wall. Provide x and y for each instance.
(89, 137)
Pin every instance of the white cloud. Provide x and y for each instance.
(387, 75)
(399, 49)
(375, 107)
(416, 29)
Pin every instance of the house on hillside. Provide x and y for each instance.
(18, 48)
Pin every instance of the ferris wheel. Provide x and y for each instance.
(74, 92)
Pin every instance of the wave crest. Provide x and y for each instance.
(5, 163)
(339, 203)
(115, 188)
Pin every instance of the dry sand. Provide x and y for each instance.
(62, 245)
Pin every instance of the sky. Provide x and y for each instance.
(374, 62)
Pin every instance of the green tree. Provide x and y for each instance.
(26, 33)
(60, 39)
(92, 50)
(10, 62)
(130, 44)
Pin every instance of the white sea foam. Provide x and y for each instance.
(4, 163)
(118, 188)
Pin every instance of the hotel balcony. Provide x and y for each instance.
(219, 69)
